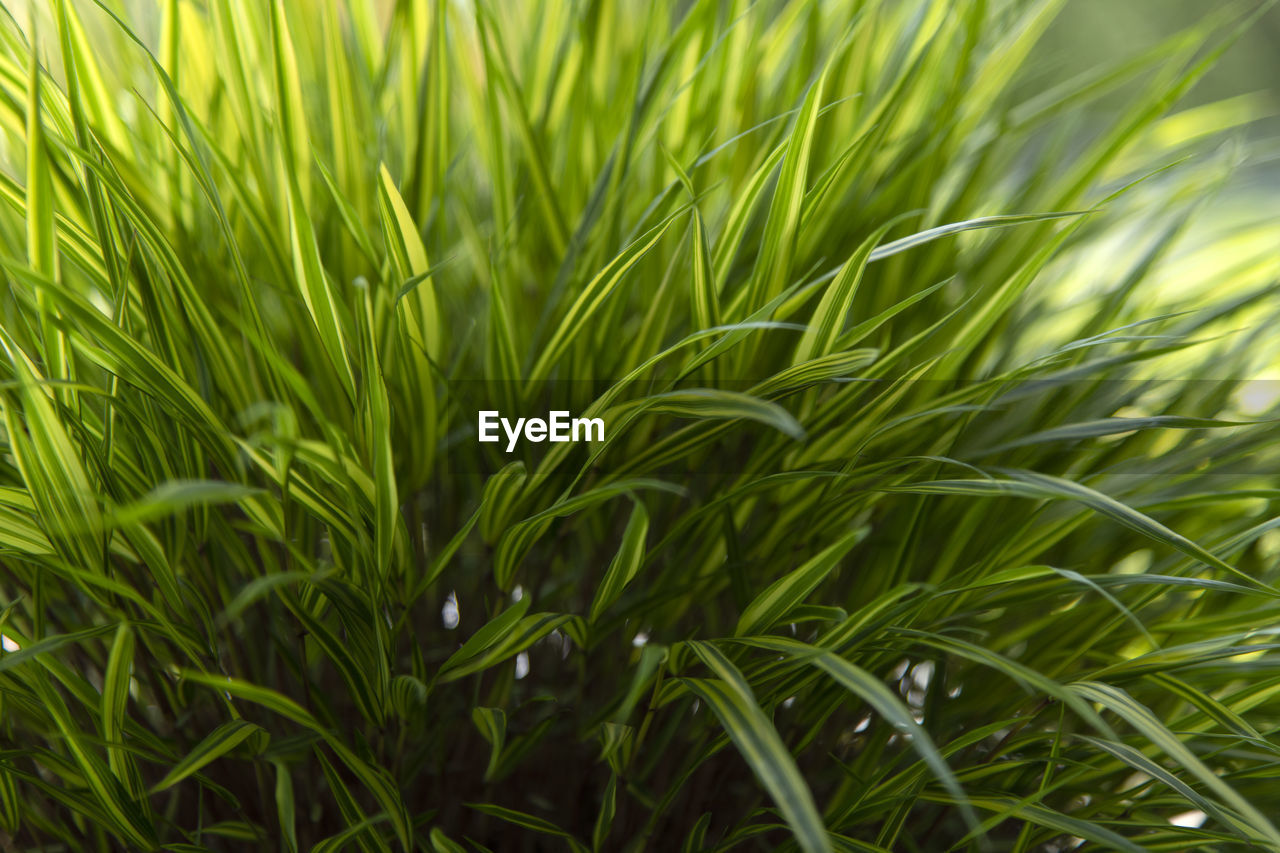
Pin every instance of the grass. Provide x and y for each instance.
(933, 512)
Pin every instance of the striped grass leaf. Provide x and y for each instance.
(1020, 673)
(874, 692)
(359, 831)
(380, 786)
(378, 438)
(270, 699)
(295, 177)
(115, 696)
(362, 680)
(528, 821)
(705, 301)
(296, 137)
(1100, 503)
(1113, 426)
(730, 698)
(441, 560)
(519, 637)
(604, 402)
(216, 744)
(903, 244)
(442, 843)
(1034, 485)
(119, 353)
(518, 538)
(829, 317)
(1210, 707)
(407, 694)
(1040, 815)
(617, 745)
(773, 268)
(492, 725)
(84, 59)
(500, 497)
(625, 564)
(498, 64)
(316, 291)
(353, 813)
(409, 256)
(64, 495)
(834, 367)
(717, 404)
(29, 649)
(1122, 704)
(592, 298)
(1140, 762)
(10, 805)
(785, 594)
(121, 812)
(494, 632)
(604, 820)
(42, 238)
(739, 216)
(286, 809)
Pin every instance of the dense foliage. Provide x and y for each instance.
(934, 509)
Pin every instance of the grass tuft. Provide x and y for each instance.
(935, 508)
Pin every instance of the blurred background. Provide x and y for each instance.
(1090, 33)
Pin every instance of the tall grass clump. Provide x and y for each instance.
(934, 509)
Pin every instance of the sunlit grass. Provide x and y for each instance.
(937, 506)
